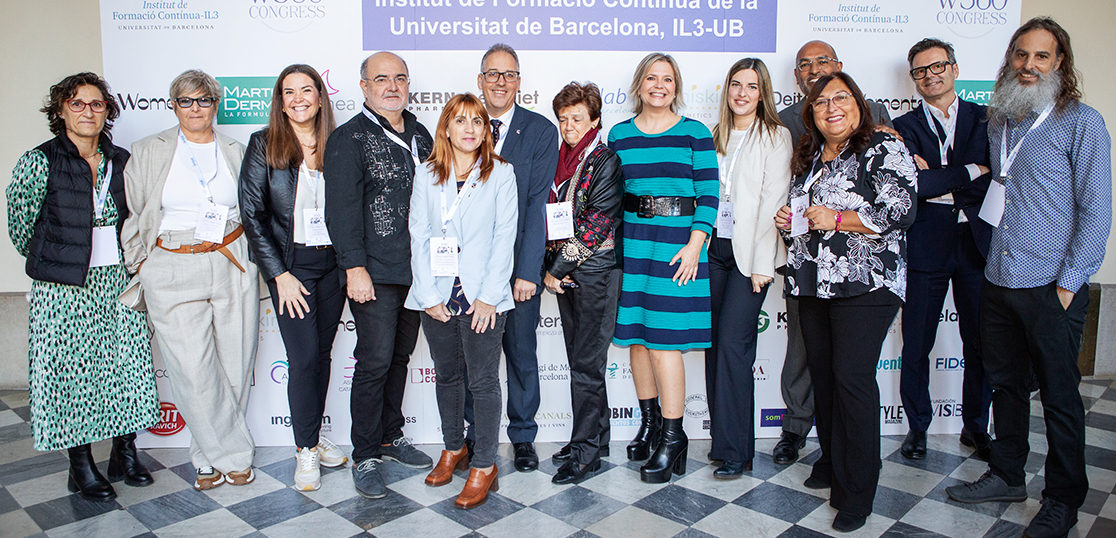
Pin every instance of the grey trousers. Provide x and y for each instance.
(794, 383)
(205, 313)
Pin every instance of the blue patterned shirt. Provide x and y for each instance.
(1058, 205)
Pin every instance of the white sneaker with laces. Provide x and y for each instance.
(308, 477)
(330, 455)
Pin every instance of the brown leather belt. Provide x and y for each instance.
(206, 246)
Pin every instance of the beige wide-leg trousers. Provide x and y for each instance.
(206, 317)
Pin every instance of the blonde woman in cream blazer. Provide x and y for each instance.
(754, 152)
(202, 297)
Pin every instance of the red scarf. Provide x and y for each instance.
(568, 159)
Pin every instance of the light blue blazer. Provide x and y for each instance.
(484, 225)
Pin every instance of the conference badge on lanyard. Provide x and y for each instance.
(314, 218)
(992, 210)
(212, 216)
(105, 249)
(725, 211)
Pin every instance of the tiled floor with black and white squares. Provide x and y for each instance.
(769, 501)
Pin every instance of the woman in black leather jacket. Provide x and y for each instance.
(282, 201)
(582, 268)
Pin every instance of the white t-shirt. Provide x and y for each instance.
(183, 194)
(307, 198)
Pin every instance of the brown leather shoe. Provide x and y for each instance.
(443, 472)
(477, 488)
(240, 478)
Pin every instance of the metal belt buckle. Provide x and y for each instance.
(646, 207)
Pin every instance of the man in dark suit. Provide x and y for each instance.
(948, 138)
(814, 60)
(530, 143)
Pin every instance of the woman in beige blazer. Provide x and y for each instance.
(184, 243)
(754, 152)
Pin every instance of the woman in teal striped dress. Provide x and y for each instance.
(670, 203)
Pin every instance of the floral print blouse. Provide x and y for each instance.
(879, 185)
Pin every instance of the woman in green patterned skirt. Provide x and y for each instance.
(90, 357)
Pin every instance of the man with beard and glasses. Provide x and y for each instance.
(1051, 204)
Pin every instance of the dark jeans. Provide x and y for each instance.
(309, 340)
(843, 342)
(926, 291)
(729, 361)
(1025, 329)
(386, 337)
(457, 349)
(794, 381)
(588, 323)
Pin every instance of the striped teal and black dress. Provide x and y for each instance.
(681, 161)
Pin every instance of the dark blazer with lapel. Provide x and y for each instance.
(531, 146)
(935, 232)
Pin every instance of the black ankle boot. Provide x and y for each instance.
(86, 479)
(670, 456)
(650, 430)
(124, 462)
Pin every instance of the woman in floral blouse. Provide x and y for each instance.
(854, 189)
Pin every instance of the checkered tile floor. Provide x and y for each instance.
(770, 501)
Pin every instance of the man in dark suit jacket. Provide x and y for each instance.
(948, 138)
(530, 143)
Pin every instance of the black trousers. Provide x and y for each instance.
(386, 337)
(1025, 329)
(729, 361)
(588, 323)
(309, 340)
(843, 342)
(926, 291)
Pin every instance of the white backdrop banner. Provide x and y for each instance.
(245, 43)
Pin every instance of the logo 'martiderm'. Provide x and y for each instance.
(170, 421)
(245, 100)
(976, 91)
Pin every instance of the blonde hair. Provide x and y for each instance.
(641, 72)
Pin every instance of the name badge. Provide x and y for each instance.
(799, 222)
(992, 210)
(443, 256)
(725, 219)
(211, 222)
(105, 251)
(316, 233)
(559, 221)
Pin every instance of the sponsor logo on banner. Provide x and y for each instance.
(287, 16)
(549, 325)
(697, 406)
(246, 100)
(892, 414)
(162, 373)
(759, 369)
(617, 370)
(763, 322)
(279, 372)
(551, 419)
(772, 418)
(285, 420)
(889, 365)
(972, 18)
(626, 416)
(422, 375)
(554, 372)
(702, 103)
(137, 101)
(346, 325)
(170, 421)
(164, 16)
(269, 323)
(949, 364)
(947, 316)
(347, 383)
(947, 407)
(976, 91)
(614, 101)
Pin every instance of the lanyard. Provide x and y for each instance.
(1005, 158)
(726, 176)
(192, 163)
(943, 146)
(412, 149)
(447, 215)
(588, 149)
(99, 198)
(312, 180)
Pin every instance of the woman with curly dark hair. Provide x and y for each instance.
(90, 358)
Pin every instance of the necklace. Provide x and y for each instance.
(90, 156)
(840, 148)
(312, 147)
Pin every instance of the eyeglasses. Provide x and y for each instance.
(383, 80)
(935, 68)
(821, 61)
(493, 76)
(77, 106)
(839, 100)
(188, 102)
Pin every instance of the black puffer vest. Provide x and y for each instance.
(62, 243)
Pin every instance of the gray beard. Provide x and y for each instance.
(1014, 100)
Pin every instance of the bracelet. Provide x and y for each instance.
(838, 219)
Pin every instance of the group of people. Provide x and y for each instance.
(662, 236)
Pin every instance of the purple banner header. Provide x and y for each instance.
(636, 25)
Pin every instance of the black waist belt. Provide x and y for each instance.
(662, 206)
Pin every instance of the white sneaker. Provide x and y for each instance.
(308, 477)
(330, 455)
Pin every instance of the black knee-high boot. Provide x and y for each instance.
(650, 429)
(85, 478)
(124, 462)
(670, 456)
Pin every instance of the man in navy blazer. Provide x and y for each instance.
(948, 138)
(530, 143)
